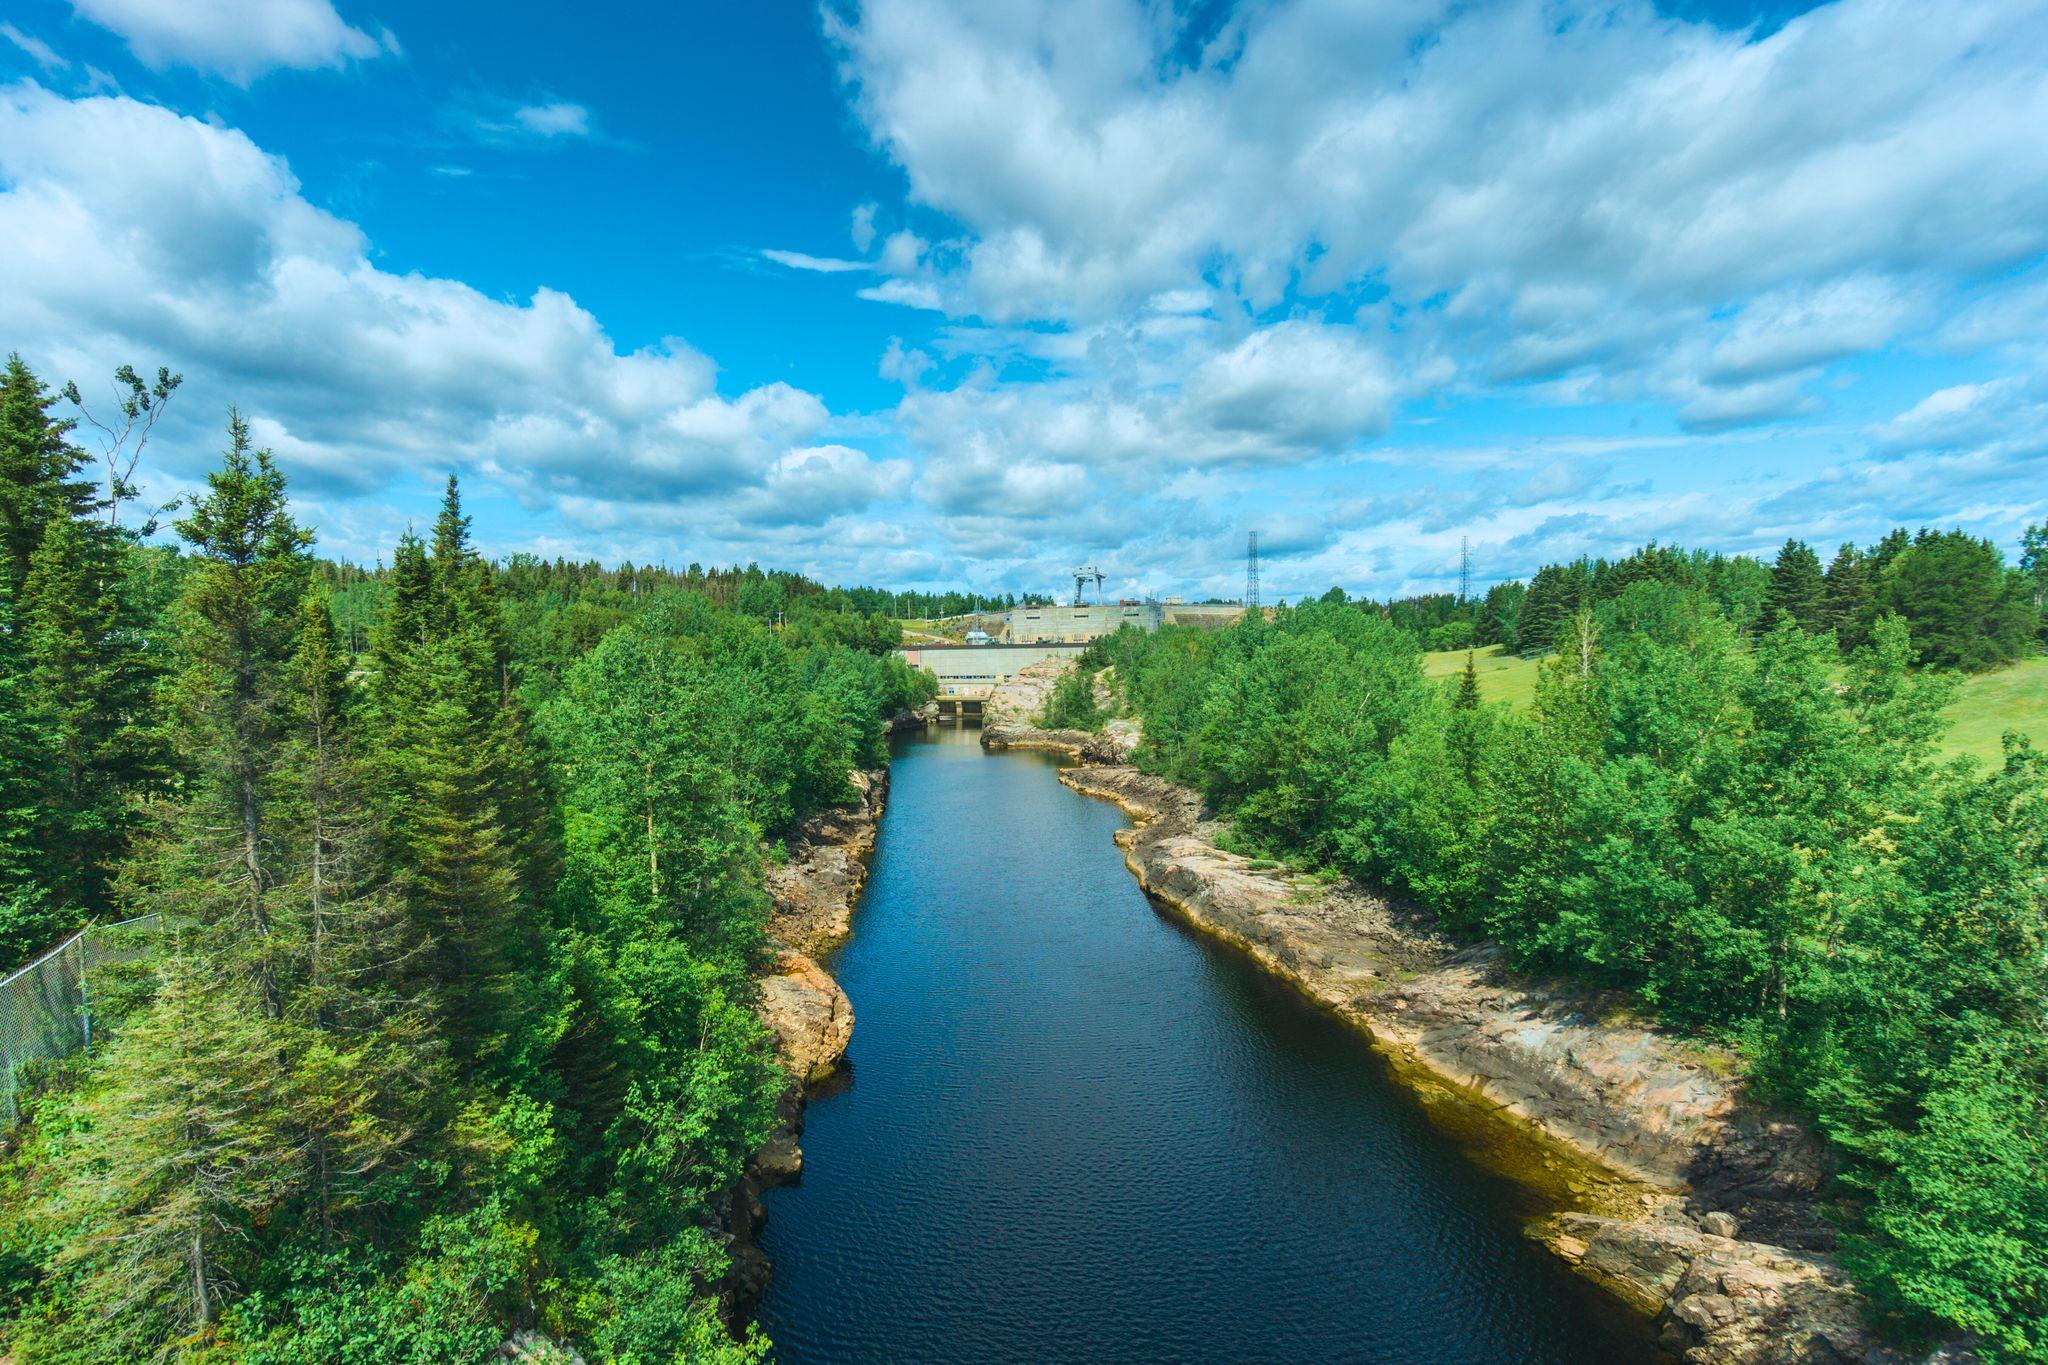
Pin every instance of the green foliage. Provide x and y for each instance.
(1965, 609)
(1072, 705)
(1798, 588)
(453, 1033)
(1750, 835)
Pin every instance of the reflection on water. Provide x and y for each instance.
(1073, 1131)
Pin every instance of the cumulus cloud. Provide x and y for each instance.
(237, 39)
(1546, 185)
(135, 233)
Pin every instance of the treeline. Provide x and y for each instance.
(1754, 837)
(448, 1030)
(1962, 605)
(925, 606)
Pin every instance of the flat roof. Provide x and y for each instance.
(993, 644)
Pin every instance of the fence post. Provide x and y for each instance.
(84, 998)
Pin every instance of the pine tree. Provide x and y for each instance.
(465, 810)
(1798, 589)
(371, 1079)
(1850, 603)
(185, 1151)
(86, 689)
(239, 616)
(1468, 684)
(28, 917)
(38, 470)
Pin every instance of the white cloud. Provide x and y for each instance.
(909, 293)
(135, 234)
(862, 229)
(824, 265)
(38, 51)
(238, 39)
(1565, 184)
(555, 118)
(496, 119)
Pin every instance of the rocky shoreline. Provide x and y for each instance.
(1663, 1183)
(813, 893)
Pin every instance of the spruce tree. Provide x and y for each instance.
(39, 467)
(1850, 602)
(29, 919)
(1468, 684)
(185, 1152)
(238, 618)
(371, 1080)
(1798, 589)
(465, 812)
(85, 689)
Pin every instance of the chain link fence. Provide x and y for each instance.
(46, 1007)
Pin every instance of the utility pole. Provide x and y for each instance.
(1251, 575)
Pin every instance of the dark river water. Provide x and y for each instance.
(1071, 1130)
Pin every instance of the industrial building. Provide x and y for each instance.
(968, 673)
(1081, 623)
(1077, 624)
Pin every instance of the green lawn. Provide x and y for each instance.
(1502, 677)
(2014, 698)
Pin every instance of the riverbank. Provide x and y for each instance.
(812, 893)
(1667, 1186)
(1673, 1191)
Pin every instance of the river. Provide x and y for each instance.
(1072, 1130)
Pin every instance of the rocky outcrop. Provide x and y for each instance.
(814, 888)
(1716, 1297)
(1682, 1196)
(812, 893)
(811, 1018)
(1009, 718)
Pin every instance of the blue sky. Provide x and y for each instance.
(933, 292)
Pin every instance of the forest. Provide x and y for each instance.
(446, 1029)
(1728, 802)
(1963, 606)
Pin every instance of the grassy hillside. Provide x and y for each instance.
(2014, 698)
(1502, 676)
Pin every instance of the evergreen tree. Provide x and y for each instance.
(28, 918)
(183, 1150)
(1468, 684)
(1964, 609)
(38, 470)
(1850, 603)
(238, 619)
(464, 808)
(1798, 589)
(84, 685)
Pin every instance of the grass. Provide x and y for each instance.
(2014, 698)
(1502, 676)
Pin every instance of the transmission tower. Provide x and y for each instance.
(1251, 575)
(1464, 567)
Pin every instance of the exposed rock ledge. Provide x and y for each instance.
(1009, 718)
(1689, 1202)
(813, 892)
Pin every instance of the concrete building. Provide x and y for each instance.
(968, 673)
(1209, 614)
(1077, 625)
